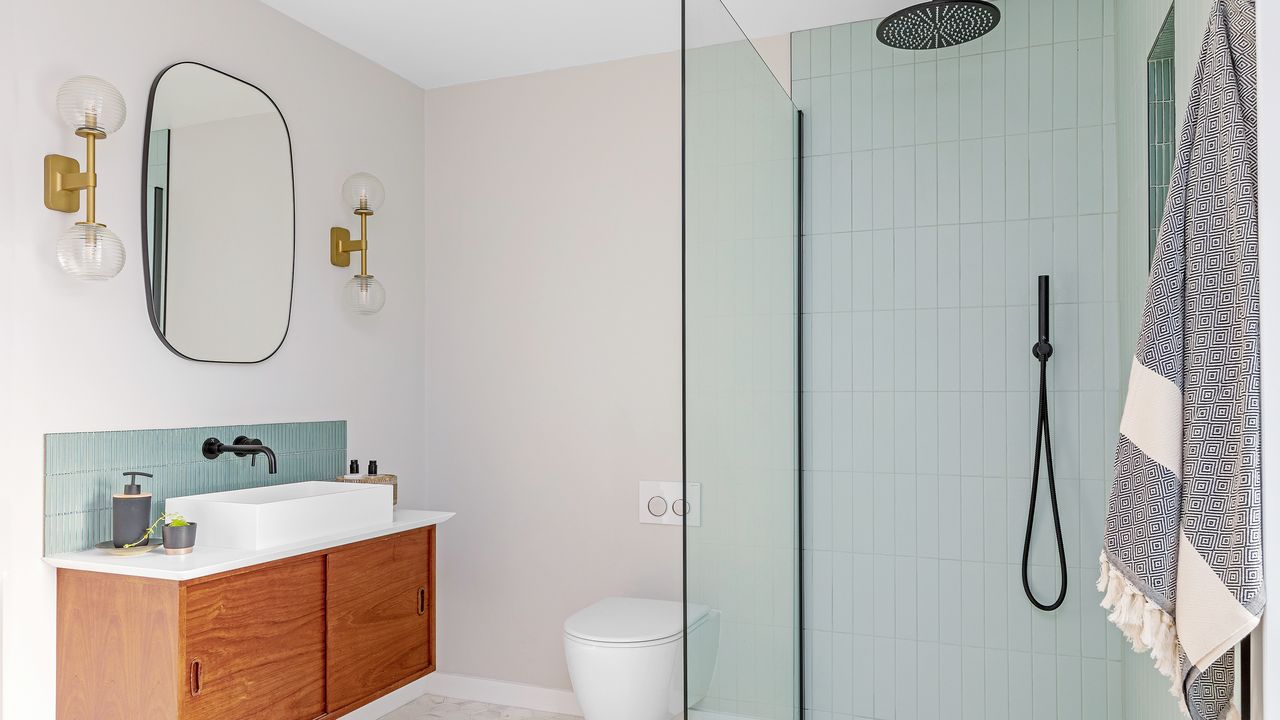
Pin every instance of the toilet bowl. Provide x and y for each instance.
(625, 657)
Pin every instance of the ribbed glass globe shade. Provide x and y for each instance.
(364, 295)
(363, 191)
(88, 101)
(90, 252)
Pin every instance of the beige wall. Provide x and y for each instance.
(553, 360)
(84, 354)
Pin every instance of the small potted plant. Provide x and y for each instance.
(179, 535)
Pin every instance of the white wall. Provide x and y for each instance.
(553, 359)
(84, 355)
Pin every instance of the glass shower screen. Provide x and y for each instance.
(741, 253)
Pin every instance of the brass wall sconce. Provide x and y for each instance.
(95, 108)
(363, 294)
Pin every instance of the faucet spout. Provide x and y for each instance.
(213, 448)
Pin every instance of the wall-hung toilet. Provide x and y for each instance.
(625, 657)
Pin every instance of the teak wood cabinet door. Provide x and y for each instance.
(255, 644)
(381, 615)
(310, 637)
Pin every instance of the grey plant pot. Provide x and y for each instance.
(179, 540)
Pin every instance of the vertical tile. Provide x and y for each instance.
(862, 286)
(1015, 16)
(1017, 108)
(972, 266)
(840, 128)
(1090, 17)
(820, 52)
(948, 183)
(997, 688)
(1040, 78)
(1017, 169)
(841, 206)
(1041, 164)
(1040, 29)
(993, 94)
(861, 38)
(862, 209)
(904, 96)
(1089, 176)
(948, 268)
(1065, 90)
(1064, 20)
(970, 99)
(971, 206)
(993, 175)
(840, 49)
(993, 266)
(1089, 74)
(882, 103)
(818, 141)
(928, 683)
(926, 102)
(885, 673)
(841, 272)
(948, 100)
(860, 110)
(926, 269)
(926, 185)
(800, 67)
(882, 176)
(1065, 160)
(904, 186)
(927, 547)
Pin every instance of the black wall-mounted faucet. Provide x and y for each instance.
(213, 447)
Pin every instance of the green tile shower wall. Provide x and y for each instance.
(82, 470)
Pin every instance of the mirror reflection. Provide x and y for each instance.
(219, 216)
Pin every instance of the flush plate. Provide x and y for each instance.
(661, 503)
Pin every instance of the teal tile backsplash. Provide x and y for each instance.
(82, 470)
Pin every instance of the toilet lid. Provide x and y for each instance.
(630, 620)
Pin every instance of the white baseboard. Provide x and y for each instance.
(501, 692)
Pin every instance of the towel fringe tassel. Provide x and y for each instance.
(1145, 625)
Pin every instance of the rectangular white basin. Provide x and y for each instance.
(265, 517)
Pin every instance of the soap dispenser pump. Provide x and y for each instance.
(130, 511)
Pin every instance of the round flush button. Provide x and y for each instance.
(657, 506)
(680, 507)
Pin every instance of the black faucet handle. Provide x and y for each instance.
(135, 474)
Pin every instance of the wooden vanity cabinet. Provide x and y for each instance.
(303, 638)
(381, 617)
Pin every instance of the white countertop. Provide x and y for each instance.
(207, 560)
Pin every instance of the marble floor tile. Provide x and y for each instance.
(434, 707)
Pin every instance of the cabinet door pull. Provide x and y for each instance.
(422, 600)
(196, 677)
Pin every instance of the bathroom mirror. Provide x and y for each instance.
(218, 216)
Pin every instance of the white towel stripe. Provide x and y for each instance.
(1153, 417)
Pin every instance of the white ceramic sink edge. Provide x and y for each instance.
(266, 517)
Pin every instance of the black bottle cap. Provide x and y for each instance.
(132, 487)
(354, 467)
(373, 467)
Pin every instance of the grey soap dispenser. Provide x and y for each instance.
(130, 511)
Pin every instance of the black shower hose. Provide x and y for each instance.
(1042, 435)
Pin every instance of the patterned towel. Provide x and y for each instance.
(1182, 562)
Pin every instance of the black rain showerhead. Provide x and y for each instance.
(938, 24)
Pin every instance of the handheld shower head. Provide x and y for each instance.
(938, 24)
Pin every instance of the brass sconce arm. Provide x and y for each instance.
(63, 179)
(341, 245)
